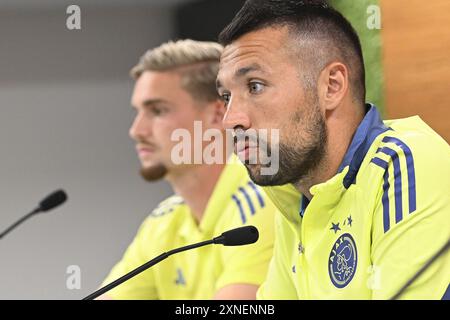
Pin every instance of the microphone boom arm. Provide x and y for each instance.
(15, 224)
(144, 267)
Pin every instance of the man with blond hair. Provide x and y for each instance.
(174, 90)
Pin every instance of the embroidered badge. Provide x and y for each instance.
(343, 260)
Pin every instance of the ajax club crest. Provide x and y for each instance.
(343, 260)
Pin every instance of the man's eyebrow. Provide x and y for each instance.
(150, 102)
(242, 72)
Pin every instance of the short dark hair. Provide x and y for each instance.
(311, 20)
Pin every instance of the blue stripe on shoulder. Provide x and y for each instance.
(241, 211)
(258, 194)
(385, 199)
(249, 201)
(397, 182)
(394, 156)
(410, 170)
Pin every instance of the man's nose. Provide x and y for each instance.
(236, 116)
(141, 128)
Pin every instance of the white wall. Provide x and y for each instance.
(64, 119)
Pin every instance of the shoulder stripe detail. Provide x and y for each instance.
(249, 201)
(381, 163)
(394, 157)
(410, 169)
(241, 211)
(257, 193)
(252, 205)
(397, 182)
(385, 199)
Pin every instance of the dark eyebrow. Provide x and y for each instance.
(242, 72)
(151, 102)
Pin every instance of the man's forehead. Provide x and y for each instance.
(265, 41)
(253, 48)
(153, 85)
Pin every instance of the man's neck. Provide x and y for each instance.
(196, 185)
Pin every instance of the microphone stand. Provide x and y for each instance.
(235, 237)
(4, 233)
(51, 201)
(147, 265)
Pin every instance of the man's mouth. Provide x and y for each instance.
(244, 151)
(144, 150)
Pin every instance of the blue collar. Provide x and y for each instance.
(369, 128)
(303, 204)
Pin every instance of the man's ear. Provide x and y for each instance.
(333, 85)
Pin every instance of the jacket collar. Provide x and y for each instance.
(370, 127)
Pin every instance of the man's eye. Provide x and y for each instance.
(156, 111)
(226, 98)
(256, 87)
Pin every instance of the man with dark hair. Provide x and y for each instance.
(361, 211)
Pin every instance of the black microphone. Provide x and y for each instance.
(235, 237)
(51, 201)
(238, 237)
